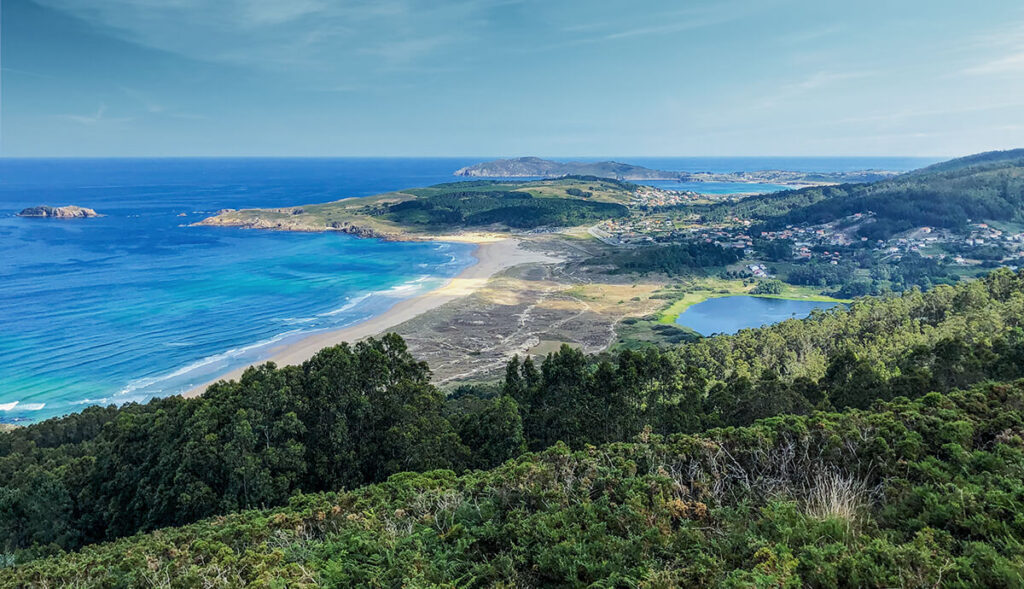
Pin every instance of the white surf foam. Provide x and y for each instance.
(22, 406)
(147, 382)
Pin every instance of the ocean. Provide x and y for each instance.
(136, 304)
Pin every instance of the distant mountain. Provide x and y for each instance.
(524, 167)
(535, 167)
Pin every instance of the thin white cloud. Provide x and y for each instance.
(810, 35)
(918, 112)
(670, 28)
(257, 13)
(1001, 51)
(284, 34)
(17, 71)
(645, 24)
(819, 79)
(793, 90)
(408, 50)
(98, 117)
(148, 104)
(1011, 64)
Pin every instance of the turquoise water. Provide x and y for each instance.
(137, 304)
(733, 313)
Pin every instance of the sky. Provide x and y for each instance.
(510, 77)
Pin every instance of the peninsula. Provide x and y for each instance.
(535, 167)
(446, 210)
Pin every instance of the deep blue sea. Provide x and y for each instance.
(136, 304)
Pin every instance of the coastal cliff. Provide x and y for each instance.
(68, 212)
(290, 219)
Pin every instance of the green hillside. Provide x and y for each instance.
(988, 158)
(911, 493)
(353, 416)
(570, 201)
(983, 187)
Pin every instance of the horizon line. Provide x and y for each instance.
(588, 157)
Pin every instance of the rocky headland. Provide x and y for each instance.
(291, 219)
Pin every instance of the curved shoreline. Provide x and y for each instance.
(492, 256)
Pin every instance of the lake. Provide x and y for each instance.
(733, 313)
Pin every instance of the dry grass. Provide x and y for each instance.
(838, 497)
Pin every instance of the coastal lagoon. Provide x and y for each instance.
(733, 313)
(138, 304)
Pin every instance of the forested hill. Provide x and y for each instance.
(983, 187)
(978, 160)
(914, 490)
(922, 493)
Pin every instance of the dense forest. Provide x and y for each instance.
(985, 187)
(911, 493)
(355, 415)
(672, 259)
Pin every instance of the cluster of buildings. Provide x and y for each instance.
(652, 197)
(622, 232)
(927, 241)
(982, 234)
(824, 242)
(814, 235)
(758, 270)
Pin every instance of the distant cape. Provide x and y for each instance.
(525, 167)
(535, 167)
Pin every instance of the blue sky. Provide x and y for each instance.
(511, 77)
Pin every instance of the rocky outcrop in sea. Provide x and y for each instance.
(68, 212)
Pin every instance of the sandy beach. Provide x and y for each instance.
(493, 254)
